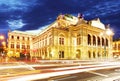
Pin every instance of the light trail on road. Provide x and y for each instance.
(25, 65)
(65, 71)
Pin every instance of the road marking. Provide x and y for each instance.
(97, 73)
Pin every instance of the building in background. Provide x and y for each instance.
(69, 37)
(116, 48)
(19, 44)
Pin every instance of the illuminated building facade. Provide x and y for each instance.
(19, 42)
(71, 37)
(116, 48)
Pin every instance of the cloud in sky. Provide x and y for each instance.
(104, 9)
(15, 24)
(8, 5)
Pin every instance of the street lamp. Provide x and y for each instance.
(3, 43)
(1, 37)
(108, 32)
(2, 40)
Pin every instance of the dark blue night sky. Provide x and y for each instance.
(34, 14)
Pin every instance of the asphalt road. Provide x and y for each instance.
(97, 75)
(82, 71)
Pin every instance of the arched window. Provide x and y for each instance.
(28, 38)
(23, 38)
(102, 41)
(98, 40)
(12, 37)
(93, 54)
(12, 45)
(78, 39)
(98, 54)
(23, 46)
(28, 46)
(61, 40)
(89, 39)
(78, 54)
(61, 54)
(17, 37)
(89, 54)
(94, 40)
(106, 42)
(18, 45)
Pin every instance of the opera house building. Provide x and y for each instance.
(68, 37)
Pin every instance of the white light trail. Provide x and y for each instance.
(23, 65)
(33, 65)
(51, 74)
(98, 73)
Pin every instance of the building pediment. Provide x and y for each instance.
(97, 23)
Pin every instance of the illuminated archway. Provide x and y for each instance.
(93, 54)
(89, 54)
(89, 39)
(78, 54)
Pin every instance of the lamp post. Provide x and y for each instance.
(1, 37)
(2, 45)
(108, 32)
